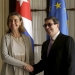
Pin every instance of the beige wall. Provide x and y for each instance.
(4, 10)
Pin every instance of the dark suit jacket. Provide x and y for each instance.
(61, 58)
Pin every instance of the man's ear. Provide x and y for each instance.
(58, 25)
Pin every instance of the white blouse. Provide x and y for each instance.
(18, 52)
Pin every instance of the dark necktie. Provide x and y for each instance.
(49, 46)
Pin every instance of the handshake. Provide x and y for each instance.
(29, 68)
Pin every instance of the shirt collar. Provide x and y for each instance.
(55, 36)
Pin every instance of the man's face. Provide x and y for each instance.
(51, 28)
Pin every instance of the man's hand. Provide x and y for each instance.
(29, 68)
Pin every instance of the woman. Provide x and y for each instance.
(16, 49)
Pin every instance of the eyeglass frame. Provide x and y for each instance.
(48, 24)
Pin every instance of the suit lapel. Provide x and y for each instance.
(57, 41)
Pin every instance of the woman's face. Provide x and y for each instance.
(14, 23)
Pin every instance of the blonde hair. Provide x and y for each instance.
(21, 28)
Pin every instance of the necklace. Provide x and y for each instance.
(16, 36)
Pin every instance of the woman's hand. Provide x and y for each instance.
(29, 68)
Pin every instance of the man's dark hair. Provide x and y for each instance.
(54, 19)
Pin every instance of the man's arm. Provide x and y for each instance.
(70, 46)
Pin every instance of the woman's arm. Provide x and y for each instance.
(7, 58)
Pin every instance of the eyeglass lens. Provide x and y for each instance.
(45, 25)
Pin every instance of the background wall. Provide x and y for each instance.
(4, 9)
(37, 20)
(71, 17)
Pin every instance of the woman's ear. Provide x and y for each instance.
(20, 22)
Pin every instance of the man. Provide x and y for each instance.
(58, 59)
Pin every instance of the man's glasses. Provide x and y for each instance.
(49, 24)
